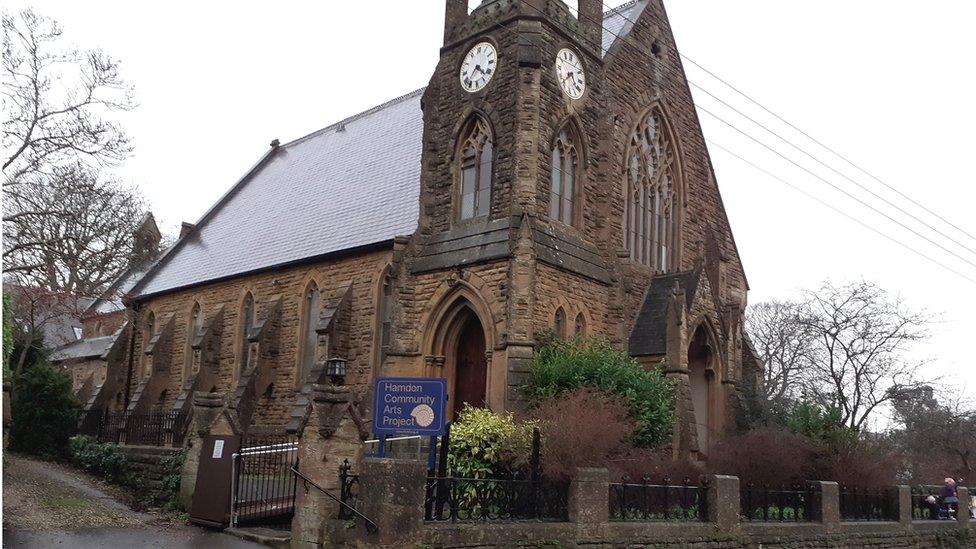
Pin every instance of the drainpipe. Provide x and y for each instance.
(132, 351)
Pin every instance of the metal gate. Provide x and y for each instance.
(264, 483)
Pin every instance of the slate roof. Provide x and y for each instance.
(84, 348)
(618, 22)
(351, 185)
(649, 336)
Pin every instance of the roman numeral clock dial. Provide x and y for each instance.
(478, 67)
(569, 72)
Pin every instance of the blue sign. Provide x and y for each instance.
(410, 406)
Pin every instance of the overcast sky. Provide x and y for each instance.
(888, 83)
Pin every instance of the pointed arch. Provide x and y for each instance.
(149, 330)
(194, 326)
(311, 307)
(566, 167)
(474, 160)
(384, 317)
(652, 192)
(559, 323)
(245, 323)
(703, 375)
(579, 326)
(458, 327)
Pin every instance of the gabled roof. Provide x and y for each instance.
(350, 185)
(618, 22)
(94, 347)
(650, 334)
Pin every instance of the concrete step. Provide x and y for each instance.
(281, 539)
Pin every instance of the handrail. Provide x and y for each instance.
(370, 525)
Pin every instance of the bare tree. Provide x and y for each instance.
(56, 100)
(935, 432)
(66, 227)
(785, 346)
(860, 335)
(78, 252)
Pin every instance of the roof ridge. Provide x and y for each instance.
(619, 8)
(355, 117)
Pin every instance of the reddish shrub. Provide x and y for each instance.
(864, 463)
(584, 428)
(767, 455)
(656, 465)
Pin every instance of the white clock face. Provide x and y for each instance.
(478, 67)
(569, 72)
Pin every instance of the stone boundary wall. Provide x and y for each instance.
(145, 462)
(392, 494)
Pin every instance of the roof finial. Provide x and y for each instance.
(275, 143)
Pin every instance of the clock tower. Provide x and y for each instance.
(504, 238)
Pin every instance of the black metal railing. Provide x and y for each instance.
(867, 504)
(348, 491)
(468, 499)
(264, 481)
(665, 501)
(793, 503)
(518, 495)
(155, 428)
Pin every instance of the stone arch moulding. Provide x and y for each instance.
(456, 301)
(703, 322)
(470, 113)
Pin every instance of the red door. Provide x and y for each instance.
(470, 378)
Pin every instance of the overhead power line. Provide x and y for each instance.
(811, 196)
(831, 168)
(803, 133)
(825, 147)
(834, 186)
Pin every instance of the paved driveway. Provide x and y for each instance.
(50, 505)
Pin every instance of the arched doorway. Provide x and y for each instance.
(700, 378)
(459, 350)
(470, 366)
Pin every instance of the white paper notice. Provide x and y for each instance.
(218, 449)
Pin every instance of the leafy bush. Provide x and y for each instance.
(564, 366)
(172, 469)
(102, 459)
(44, 412)
(583, 428)
(488, 445)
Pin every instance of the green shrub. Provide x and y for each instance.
(102, 459)
(172, 469)
(44, 412)
(564, 366)
(488, 445)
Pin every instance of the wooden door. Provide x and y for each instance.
(470, 378)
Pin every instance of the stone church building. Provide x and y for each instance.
(551, 177)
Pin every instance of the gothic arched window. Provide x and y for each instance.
(563, 201)
(385, 317)
(650, 232)
(247, 323)
(194, 327)
(150, 331)
(309, 337)
(475, 170)
(580, 325)
(559, 325)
